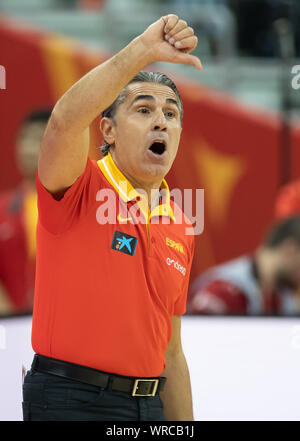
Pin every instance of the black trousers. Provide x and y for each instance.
(48, 397)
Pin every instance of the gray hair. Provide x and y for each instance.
(142, 77)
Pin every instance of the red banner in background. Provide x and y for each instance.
(230, 152)
(295, 151)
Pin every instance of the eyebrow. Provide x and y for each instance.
(151, 98)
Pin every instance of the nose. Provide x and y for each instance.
(159, 122)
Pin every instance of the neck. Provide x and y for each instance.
(150, 188)
(267, 268)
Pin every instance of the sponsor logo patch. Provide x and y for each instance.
(176, 265)
(176, 245)
(123, 219)
(124, 243)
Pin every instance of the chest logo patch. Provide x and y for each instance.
(124, 243)
(176, 245)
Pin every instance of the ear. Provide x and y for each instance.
(107, 129)
(289, 246)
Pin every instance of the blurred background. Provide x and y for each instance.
(240, 141)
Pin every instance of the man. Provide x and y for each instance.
(109, 295)
(259, 284)
(18, 218)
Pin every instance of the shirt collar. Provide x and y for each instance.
(128, 193)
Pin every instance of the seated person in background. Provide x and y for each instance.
(288, 200)
(18, 217)
(263, 283)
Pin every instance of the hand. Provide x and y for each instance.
(170, 39)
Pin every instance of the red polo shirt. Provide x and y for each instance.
(106, 291)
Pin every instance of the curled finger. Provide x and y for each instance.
(189, 43)
(179, 26)
(172, 20)
(185, 33)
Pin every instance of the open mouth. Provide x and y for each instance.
(157, 147)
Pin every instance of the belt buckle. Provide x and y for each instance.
(136, 385)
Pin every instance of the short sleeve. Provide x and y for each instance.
(180, 305)
(58, 216)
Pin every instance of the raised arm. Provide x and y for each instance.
(65, 144)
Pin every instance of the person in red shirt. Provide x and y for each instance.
(288, 203)
(113, 251)
(18, 219)
(264, 283)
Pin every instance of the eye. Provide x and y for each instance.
(170, 114)
(143, 110)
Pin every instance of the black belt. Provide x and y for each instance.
(138, 387)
